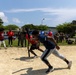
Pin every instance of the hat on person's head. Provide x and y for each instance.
(35, 32)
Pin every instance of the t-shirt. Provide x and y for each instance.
(19, 35)
(50, 34)
(10, 33)
(47, 43)
(1, 36)
(23, 34)
(31, 40)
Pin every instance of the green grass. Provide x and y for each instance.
(15, 42)
(66, 44)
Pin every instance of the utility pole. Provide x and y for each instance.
(42, 21)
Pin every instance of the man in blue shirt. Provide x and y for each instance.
(51, 47)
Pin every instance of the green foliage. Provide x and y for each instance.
(11, 26)
(15, 43)
(66, 27)
(1, 26)
(42, 27)
(31, 27)
(1, 21)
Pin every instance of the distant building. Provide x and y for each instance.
(53, 29)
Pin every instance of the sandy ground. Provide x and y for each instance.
(15, 61)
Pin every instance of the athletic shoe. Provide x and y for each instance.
(50, 70)
(69, 64)
(35, 56)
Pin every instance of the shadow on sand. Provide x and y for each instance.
(28, 59)
(30, 71)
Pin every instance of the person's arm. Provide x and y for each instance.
(52, 39)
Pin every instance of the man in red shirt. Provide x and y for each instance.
(10, 34)
(2, 37)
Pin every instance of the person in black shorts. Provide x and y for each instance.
(34, 45)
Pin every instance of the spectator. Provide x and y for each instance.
(23, 39)
(10, 34)
(19, 37)
(2, 38)
(56, 37)
(50, 33)
(61, 37)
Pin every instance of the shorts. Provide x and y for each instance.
(34, 46)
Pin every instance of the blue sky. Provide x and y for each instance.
(47, 12)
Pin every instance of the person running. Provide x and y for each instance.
(34, 45)
(2, 38)
(51, 47)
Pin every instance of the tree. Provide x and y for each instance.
(1, 23)
(65, 27)
(68, 28)
(42, 27)
(38, 27)
(11, 26)
(30, 26)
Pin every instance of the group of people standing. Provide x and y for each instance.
(10, 35)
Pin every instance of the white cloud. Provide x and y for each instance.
(21, 10)
(56, 15)
(16, 20)
(3, 17)
(59, 16)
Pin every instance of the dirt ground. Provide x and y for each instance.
(15, 61)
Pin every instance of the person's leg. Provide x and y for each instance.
(38, 47)
(31, 50)
(4, 43)
(0, 44)
(56, 53)
(25, 42)
(11, 41)
(21, 42)
(40, 50)
(44, 59)
(18, 42)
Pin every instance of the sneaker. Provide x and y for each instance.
(50, 70)
(69, 64)
(35, 56)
